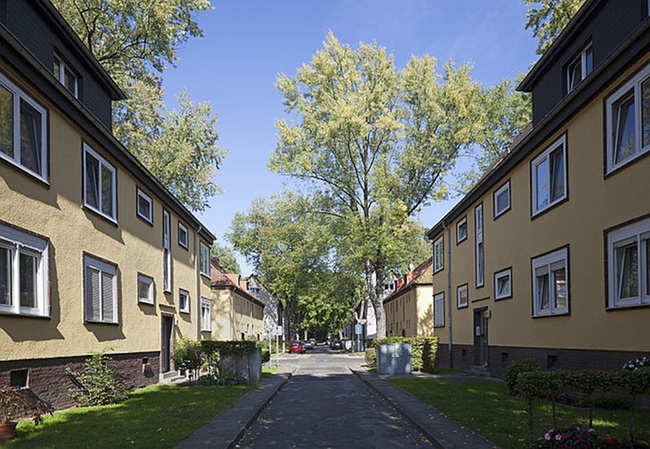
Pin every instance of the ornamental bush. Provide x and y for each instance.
(515, 368)
(98, 383)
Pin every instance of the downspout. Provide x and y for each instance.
(449, 301)
(197, 296)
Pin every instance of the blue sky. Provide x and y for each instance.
(247, 43)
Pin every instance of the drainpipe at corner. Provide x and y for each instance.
(449, 299)
(197, 273)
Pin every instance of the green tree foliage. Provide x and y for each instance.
(377, 143)
(290, 247)
(135, 40)
(227, 258)
(548, 18)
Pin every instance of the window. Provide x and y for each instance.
(183, 236)
(23, 130)
(503, 284)
(144, 206)
(462, 296)
(65, 76)
(184, 301)
(206, 320)
(439, 310)
(100, 291)
(205, 259)
(461, 230)
(501, 199)
(480, 256)
(167, 253)
(550, 284)
(23, 273)
(145, 289)
(579, 68)
(438, 254)
(628, 265)
(548, 171)
(628, 121)
(100, 182)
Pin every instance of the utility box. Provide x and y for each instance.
(394, 358)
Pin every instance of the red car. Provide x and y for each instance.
(296, 347)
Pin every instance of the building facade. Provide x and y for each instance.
(273, 310)
(408, 308)
(547, 257)
(95, 254)
(236, 314)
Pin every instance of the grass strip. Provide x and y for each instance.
(486, 408)
(159, 416)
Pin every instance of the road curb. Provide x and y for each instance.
(441, 431)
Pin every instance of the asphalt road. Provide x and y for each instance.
(324, 405)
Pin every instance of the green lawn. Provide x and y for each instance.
(486, 408)
(159, 416)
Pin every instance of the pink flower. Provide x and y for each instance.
(558, 437)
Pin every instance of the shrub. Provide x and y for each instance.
(99, 383)
(611, 402)
(371, 358)
(266, 355)
(515, 368)
(188, 355)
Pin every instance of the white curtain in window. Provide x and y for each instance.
(30, 137)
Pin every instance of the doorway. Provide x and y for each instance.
(167, 335)
(481, 336)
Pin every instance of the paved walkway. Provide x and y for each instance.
(229, 428)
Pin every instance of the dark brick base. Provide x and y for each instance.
(570, 359)
(47, 378)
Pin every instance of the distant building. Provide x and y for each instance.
(236, 314)
(273, 310)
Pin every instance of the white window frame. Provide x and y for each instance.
(550, 263)
(479, 256)
(460, 302)
(631, 89)
(462, 223)
(205, 259)
(142, 196)
(636, 236)
(149, 283)
(16, 148)
(103, 164)
(439, 310)
(206, 315)
(498, 276)
(544, 158)
(586, 56)
(167, 251)
(503, 190)
(103, 268)
(439, 254)
(15, 244)
(63, 67)
(182, 230)
(183, 308)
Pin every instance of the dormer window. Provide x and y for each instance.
(579, 68)
(66, 76)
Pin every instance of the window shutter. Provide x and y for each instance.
(108, 300)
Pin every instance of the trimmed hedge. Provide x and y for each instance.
(424, 351)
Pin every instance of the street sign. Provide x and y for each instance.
(357, 329)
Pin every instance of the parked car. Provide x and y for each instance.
(296, 347)
(313, 342)
(308, 344)
(335, 343)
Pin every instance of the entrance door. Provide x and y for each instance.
(167, 333)
(480, 337)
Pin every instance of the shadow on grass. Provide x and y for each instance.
(152, 417)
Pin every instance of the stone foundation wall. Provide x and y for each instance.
(47, 378)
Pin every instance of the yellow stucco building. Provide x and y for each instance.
(94, 252)
(548, 256)
(408, 308)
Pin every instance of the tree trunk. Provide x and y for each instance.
(380, 316)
